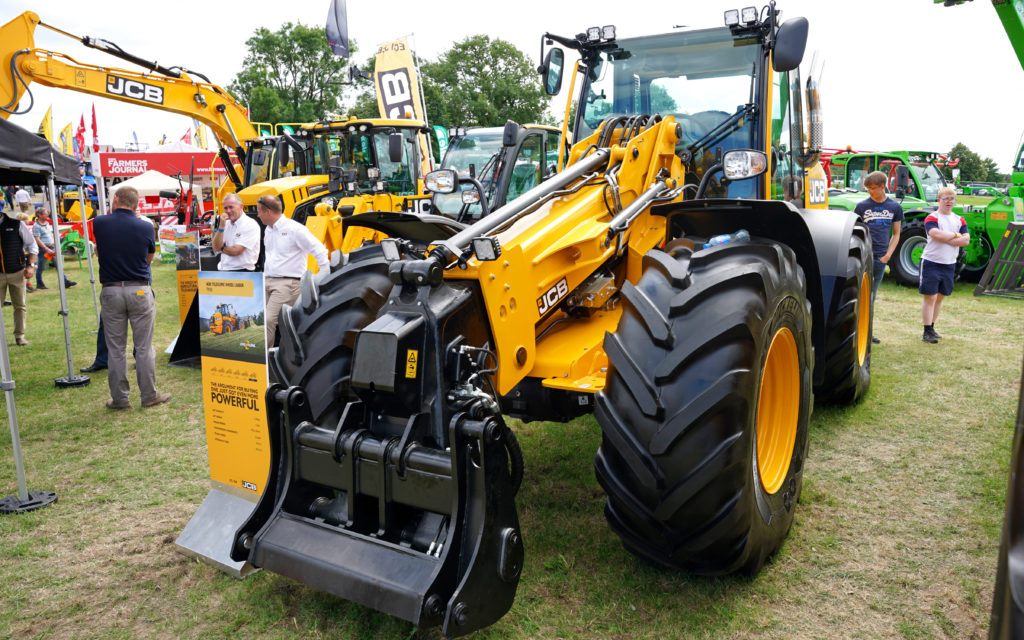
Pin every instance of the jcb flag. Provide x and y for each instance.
(46, 126)
(67, 135)
(398, 91)
(200, 134)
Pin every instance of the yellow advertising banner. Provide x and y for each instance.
(398, 93)
(398, 90)
(186, 257)
(234, 364)
(236, 422)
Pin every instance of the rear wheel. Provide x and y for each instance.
(848, 336)
(981, 253)
(906, 262)
(704, 414)
(315, 349)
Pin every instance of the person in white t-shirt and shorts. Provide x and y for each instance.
(947, 233)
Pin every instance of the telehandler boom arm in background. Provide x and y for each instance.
(163, 88)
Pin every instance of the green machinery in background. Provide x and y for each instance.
(987, 223)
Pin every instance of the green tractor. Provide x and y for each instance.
(915, 180)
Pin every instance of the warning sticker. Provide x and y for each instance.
(411, 360)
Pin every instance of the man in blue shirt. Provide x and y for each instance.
(883, 215)
(125, 248)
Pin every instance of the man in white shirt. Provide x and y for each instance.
(286, 244)
(236, 237)
(23, 200)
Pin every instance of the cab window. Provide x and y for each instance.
(527, 170)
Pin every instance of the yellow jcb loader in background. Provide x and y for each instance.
(610, 288)
(173, 89)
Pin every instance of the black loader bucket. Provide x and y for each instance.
(425, 534)
(1004, 276)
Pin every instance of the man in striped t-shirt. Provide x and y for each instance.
(947, 233)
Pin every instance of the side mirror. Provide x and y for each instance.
(170, 195)
(551, 70)
(790, 42)
(395, 147)
(283, 152)
(441, 181)
(334, 175)
(902, 180)
(511, 134)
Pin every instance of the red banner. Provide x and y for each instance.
(127, 165)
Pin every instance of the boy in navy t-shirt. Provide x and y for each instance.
(883, 215)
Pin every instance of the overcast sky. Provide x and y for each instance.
(898, 74)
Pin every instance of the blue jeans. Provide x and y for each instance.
(878, 274)
(41, 267)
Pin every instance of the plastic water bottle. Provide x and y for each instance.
(740, 236)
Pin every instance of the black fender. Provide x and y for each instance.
(819, 237)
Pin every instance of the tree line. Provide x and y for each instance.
(291, 75)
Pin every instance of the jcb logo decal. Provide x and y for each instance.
(134, 89)
(417, 205)
(396, 92)
(552, 296)
(818, 193)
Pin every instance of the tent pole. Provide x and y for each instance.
(71, 380)
(23, 501)
(7, 384)
(88, 253)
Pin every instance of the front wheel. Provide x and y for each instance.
(906, 261)
(847, 364)
(705, 411)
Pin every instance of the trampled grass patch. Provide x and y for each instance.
(896, 534)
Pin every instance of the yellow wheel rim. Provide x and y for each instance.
(863, 319)
(778, 410)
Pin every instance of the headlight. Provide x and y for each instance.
(744, 163)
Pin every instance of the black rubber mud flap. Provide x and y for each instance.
(465, 578)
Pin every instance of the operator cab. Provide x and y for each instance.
(716, 83)
(507, 161)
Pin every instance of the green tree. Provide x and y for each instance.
(974, 168)
(483, 82)
(290, 75)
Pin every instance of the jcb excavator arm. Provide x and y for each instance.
(166, 89)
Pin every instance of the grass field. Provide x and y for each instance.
(234, 340)
(896, 534)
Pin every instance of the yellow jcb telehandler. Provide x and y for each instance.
(681, 278)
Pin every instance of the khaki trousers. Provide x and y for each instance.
(119, 308)
(15, 283)
(279, 292)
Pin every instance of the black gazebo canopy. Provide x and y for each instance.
(26, 158)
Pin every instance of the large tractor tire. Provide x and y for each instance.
(906, 260)
(315, 349)
(705, 411)
(982, 252)
(848, 332)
